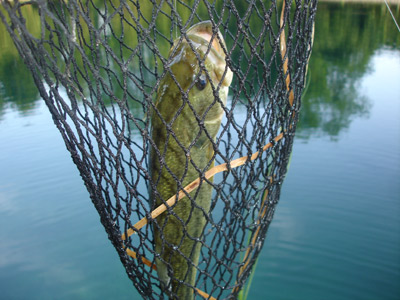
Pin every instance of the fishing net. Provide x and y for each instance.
(180, 116)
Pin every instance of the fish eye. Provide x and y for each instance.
(201, 82)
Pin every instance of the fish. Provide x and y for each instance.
(182, 150)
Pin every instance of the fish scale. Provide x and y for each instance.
(178, 231)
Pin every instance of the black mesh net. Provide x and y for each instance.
(180, 116)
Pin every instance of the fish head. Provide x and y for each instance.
(197, 61)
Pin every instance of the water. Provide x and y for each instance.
(336, 231)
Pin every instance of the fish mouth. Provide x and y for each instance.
(204, 31)
(201, 35)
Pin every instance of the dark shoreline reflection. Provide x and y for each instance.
(13, 75)
(345, 42)
(346, 38)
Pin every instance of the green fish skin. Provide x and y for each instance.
(186, 153)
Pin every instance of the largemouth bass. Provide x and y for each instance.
(184, 151)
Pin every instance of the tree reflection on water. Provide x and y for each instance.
(346, 38)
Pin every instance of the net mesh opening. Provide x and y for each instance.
(180, 116)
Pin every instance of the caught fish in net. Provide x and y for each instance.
(180, 116)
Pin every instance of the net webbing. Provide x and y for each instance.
(180, 115)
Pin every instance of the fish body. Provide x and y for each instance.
(184, 151)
